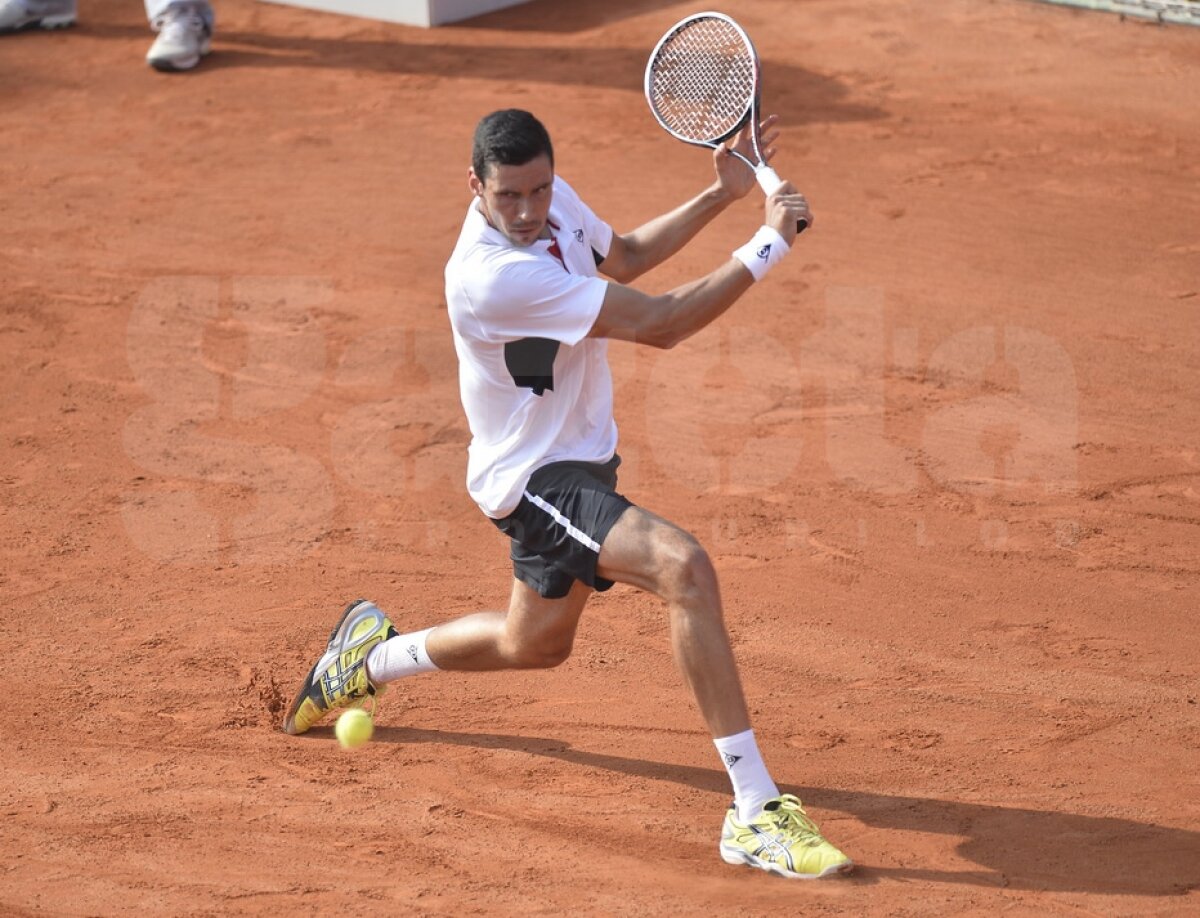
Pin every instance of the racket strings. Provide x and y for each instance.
(702, 80)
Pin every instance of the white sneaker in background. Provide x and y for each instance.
(183, 38)
(17, 15)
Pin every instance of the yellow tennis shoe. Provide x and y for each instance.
(339, 678)
(781, 839)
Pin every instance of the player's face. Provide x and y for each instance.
(516, 199)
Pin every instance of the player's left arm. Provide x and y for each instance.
(633, 254)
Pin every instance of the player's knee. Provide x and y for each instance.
(687, 569)
(543, 654)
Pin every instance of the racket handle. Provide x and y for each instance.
(768, 179)
(770, 182)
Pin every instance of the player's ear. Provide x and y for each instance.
(475, 183)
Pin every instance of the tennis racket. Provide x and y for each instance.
(704, 82)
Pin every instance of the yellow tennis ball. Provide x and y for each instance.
(354, 728)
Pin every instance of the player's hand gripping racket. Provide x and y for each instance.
(703, 84)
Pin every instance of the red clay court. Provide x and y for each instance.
(946, 458)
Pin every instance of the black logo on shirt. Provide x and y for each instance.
(530, 363)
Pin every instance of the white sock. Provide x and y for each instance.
(752, 785)
(395, 658)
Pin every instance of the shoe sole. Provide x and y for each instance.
(289, 722)
(737, 856)
(46, 22)
(178, 65)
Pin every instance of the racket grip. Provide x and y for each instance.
(768, 179)
(770, 182)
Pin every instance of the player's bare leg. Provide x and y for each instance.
(365, 652)
(535, 633)
(649, 552)
(653, 554)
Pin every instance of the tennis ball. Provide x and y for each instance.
(354, 728)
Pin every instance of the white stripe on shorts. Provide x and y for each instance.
(577, 534)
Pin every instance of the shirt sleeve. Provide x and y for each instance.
(535, 298)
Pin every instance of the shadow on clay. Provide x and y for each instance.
(801, 96)
(1017, 848)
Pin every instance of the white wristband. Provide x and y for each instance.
(762, 252)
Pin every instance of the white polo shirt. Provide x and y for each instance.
(534, 388)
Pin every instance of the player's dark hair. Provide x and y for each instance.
(510, 137)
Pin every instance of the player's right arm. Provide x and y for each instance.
(669, 318)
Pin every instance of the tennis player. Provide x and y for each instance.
(531, 319)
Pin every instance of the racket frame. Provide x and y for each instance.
(768, 178)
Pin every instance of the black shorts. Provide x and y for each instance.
(560, 524)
